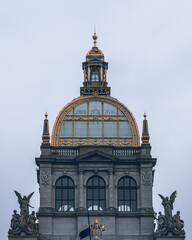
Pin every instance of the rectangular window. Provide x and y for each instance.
(81, 109)
(95, 108)
(95, 129)
(124, 130)
(66, 130)
(110, 129)
(109, 109)
(80, 128)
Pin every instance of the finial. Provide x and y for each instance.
(45, 136)
(95, 36)
(145, 135)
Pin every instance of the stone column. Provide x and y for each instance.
(80, 189)
(111, 190)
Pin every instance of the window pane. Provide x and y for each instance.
(133, 184)
(133, 206)
(58, 194)
(120, 182)
(64, 181)
(81, 109)
(133, 194)
(101, 182)
(126, 181)
(124, 130)
(102, 194)
(71, 194)
(95, 75)
(102, 205)
(127, 194)
(95, 181)
(66, 130)
(96, 193)
(80, 128)
(89, 193)
(109, 109)
(110, 129)
(58, 205)
(95, 129)
(64, 195)
(58, 182)
(70, 183)
(120, 194)
(95, 108)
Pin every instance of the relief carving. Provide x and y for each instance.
(146, 178)
(45, 177)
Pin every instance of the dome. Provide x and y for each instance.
(95, 120)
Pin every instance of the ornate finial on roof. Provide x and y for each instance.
(46, 136)
(95, 37)
(145, 135)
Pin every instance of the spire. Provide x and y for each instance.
(145, 135)
(95, 39)
(45, 136)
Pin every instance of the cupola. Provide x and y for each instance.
(95, 72)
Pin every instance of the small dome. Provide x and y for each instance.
(95, 52)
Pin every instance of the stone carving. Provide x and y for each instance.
(45, 177)
(168, 223)
(96, 230)
(146, 178)
(23, 222)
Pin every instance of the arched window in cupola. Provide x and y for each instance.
(95, 75)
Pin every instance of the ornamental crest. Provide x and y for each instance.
(146, 178)
(45, 177)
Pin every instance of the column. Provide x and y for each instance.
(80, 189)
(111, 190)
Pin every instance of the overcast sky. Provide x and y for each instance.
(148, 45)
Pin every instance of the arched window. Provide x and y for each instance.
(96, 193)
(127, 194)
(95, 75)
(64, 194)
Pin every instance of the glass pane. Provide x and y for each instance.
(64, 194)
(120, 194)
(110, 129)
(133, 184)
(120, 182)
(133, 206)
(58, 205)
(95, 75)
(95, 181)
(102, 205)
(70, 182)
(127, 194)
(95, 129)
(80, 128)
(58, 182)
(119, 112)
(89, 193)
(71, 113)
(58, 194)
(124, 130)
(109, 109)
(127, 181)
(89, 203)
(89, 183)
(71, 194)
(66, 130)
(95, 108)
(101, 182)
(102, 194)
(96, 193)
(64, 181)
(133, 194)
(71, 204)
(81, 109)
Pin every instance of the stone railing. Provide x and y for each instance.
(65, 152)
(126, 152)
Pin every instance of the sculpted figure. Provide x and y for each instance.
(15, 220)
(96, 230)
(178, 223)
(32, 219)
(24, 205)
(168, 204)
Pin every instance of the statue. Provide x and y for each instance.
(168, 223)
(24, 205)
(15, 220)
(168, 204)
(23, 223)
(96, 230)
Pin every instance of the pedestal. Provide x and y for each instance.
(23, 237)
(169, 237)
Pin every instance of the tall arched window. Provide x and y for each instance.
(127, 194)
(64, 194)
(96, 193)
(95, 75)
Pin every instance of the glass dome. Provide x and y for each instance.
(95, 121)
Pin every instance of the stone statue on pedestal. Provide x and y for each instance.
(96, 230)
(25, 222)
(168, 223)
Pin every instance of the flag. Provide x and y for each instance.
(84, 233)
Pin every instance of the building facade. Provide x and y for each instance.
(95, 165)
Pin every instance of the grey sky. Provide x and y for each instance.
(148, 45)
